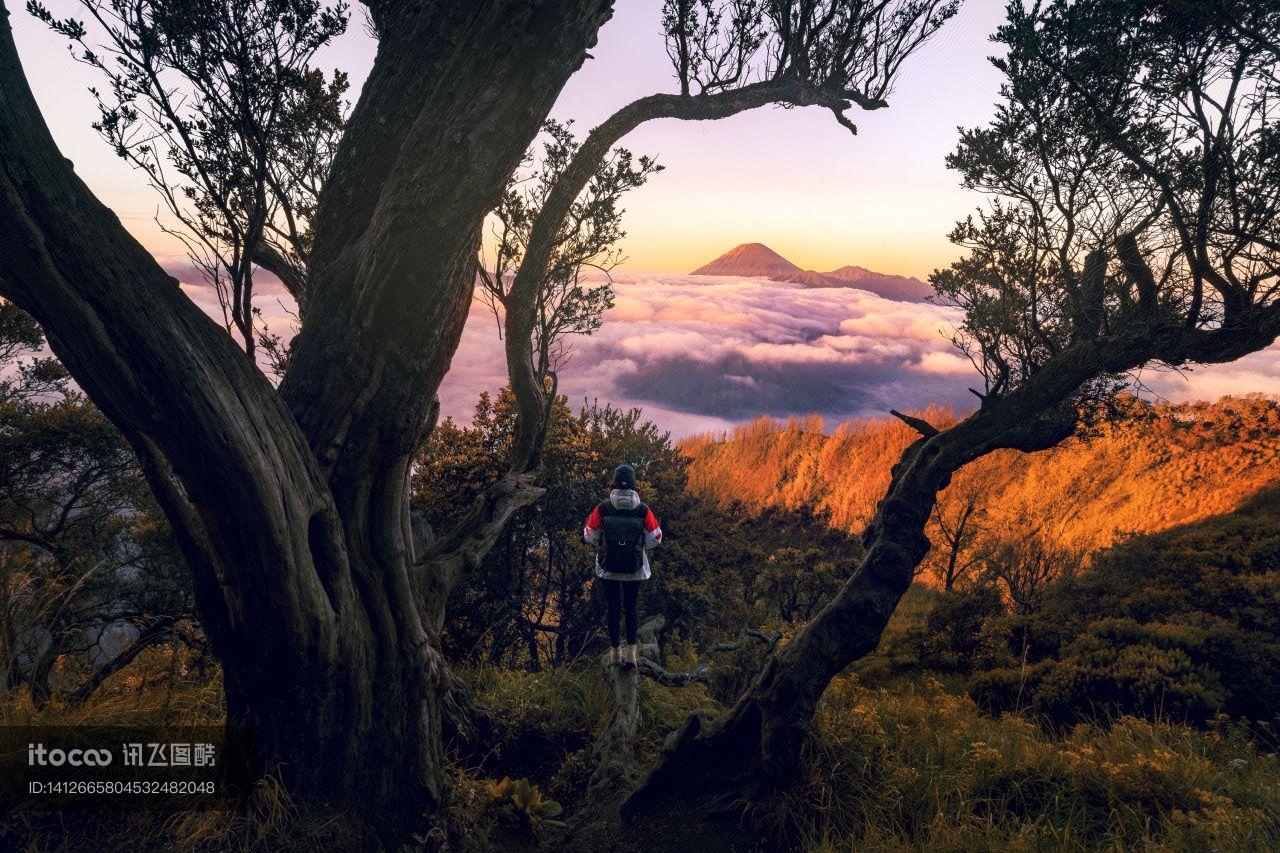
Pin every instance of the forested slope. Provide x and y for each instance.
(1149, 468)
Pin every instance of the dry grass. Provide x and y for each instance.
(917, 768)
(148, 692)
(912, 767)
(153, 691)
(1149, 471)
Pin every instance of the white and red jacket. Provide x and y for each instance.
(624, 499)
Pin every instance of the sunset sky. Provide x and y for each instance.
(792, 179)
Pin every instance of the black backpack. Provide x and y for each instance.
(622, 546)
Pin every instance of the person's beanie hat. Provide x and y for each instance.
(624, 477)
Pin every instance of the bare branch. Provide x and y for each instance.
(701, 672)
(920, 425)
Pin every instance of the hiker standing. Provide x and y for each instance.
(623, 528)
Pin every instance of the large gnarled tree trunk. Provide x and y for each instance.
(291, 507)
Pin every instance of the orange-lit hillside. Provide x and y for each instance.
(1150, 469)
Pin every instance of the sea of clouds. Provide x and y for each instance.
(702, 353)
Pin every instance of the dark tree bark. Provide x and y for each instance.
(291, 507)
(291, 275)
(41, 669)
(614, 752)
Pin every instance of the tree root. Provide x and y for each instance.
(701, 672)
(724, 750)
(693, 756)
(614, 754)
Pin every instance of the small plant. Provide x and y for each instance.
(526, 801)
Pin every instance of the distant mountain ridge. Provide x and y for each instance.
(757, 259)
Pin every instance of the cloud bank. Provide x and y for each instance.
(702, 353)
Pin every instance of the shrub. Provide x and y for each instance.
(951, 636)
(1181, 624)
(1130, 668)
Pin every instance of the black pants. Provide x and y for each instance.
(617, 595)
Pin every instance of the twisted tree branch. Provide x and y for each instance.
(920, 425)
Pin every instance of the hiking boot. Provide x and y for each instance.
(615, 656)
(629, 655)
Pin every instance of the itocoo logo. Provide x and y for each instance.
(38, 754)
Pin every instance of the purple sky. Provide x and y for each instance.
(792, 179)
